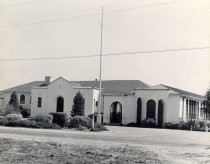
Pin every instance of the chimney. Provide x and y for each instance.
(47, 80)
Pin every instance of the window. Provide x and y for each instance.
(96, 103)
(22, 99)
(39, 104)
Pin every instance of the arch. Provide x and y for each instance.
(60, 104)
(22, 99)
(116, 112)
(151, 105)
(160, 113)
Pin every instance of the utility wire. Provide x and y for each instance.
(108, 12)
(144, 6)
(108, 54)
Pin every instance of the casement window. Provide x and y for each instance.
(22, 99)
(39, 102)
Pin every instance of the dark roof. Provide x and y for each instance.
(183, 93)
(25, 87)
(115, 86)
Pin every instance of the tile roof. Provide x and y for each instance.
(115, 86)
(25, 87)
(183, 93)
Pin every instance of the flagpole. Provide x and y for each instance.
(99, 105)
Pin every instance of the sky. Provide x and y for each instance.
(64, 28)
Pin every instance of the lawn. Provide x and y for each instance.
(119, 145)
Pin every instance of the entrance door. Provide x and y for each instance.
(151, 105)
(116, 113)
(60, 103)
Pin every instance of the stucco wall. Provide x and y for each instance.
(128, 108)
(39, 92)
(60, 87)
(155, 95)
(65, 89)
(174, 108)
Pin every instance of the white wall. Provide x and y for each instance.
(60, 87)
(65, 89)
(174, 108)
(129, 107)
(35, 93)
(155, 95)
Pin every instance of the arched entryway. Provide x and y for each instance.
(116, 113)
(151, 105)
(60, 104)
(160, 113)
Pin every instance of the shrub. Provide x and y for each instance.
(59, 118)
(43, 118)
(75, 122)
(132, 124)
(13, 117)
(169, 125)
(149, 123)
(25, 112)
(2, 120)
(99, 127)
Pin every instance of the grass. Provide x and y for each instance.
(16, 151)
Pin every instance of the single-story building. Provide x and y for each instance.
(123, 101)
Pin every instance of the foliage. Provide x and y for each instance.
(139, 106)
(206, 103)
(78, 105)
(14, 101)
(13, 105)
(98, 127)
(59, 118)
(13, 117)
(43, 118)
(75, 122)
(132, 124)
(149, 123)
(91, 116)
(25, 112)
(36, 122)
(169, 125)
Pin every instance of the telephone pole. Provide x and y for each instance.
(99, 104)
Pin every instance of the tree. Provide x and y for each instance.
(139, 106)
(206, 103)
(78, 105)
(206, 106)
(13, 105)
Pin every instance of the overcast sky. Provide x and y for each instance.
(57, 28)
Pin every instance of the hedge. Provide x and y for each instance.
(59, 118)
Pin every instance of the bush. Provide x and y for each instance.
(169, 125)
(43, 118)
(132, 124)
(13, 117)
(25, 112)
(98, 127)
(75, 122)
(149, 123)
(59, 118)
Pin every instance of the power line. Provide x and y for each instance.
(49, 21)
(113, 11)
(108, 54)
(145, 6)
